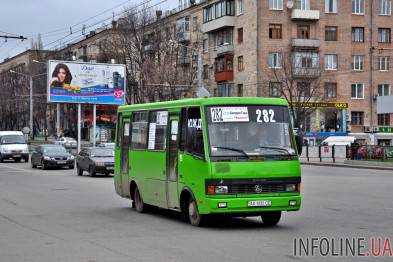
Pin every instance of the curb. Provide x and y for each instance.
(346, 166)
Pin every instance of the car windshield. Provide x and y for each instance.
(249, 131)
(54, 150)
(12, 139)
(102, 152)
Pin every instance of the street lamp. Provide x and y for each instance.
(30, 96)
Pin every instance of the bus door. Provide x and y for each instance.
(172, 160)
(124, 154)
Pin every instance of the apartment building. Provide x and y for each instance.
(350, 41)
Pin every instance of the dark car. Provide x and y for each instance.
(95, 160)
(48, 156)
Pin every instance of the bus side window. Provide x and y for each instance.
(139, 130)
(194, 135)
(119, 130)
(183, 129)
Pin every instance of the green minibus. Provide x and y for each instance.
(209, 156)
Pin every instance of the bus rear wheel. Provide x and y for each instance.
(194, 217)
(140, 206)
(271, 219)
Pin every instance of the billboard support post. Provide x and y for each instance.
(94, 124)
(58, 120)
(79, 128)
(31, 107)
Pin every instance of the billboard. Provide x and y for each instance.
(89, 83)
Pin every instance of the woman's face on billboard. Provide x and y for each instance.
(61, 75)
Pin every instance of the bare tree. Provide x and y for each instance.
(297, 78)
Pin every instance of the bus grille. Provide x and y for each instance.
(256, 189)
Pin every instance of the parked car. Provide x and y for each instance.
(67, 142)
(107, 145)
(47, 156)
(95, 160)
(13, 145)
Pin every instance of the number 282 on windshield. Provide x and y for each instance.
(265, 116)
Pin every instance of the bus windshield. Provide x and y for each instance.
(249, 131)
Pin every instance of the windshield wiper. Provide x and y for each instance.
(232, 149)
(277, 148)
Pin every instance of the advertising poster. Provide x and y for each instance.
(86, 83)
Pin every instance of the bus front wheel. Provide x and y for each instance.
(271, 219)
(194, 217)
(139, 205)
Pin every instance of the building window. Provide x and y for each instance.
(240, 64)
(274, 89)
(195, 23)
(330, 90)
(274, 60)
(358, 62)
(357, 34)
(304, 89)
(385, 7)
(205, 45)
(384, 35)
(224, 37)
(224, 89)
(384, 119)
(276, 4)
(357, 118)
(223, 63)
(303, 60)
(357, 91)
(205, 71)
(275, 31)
(303, 31)
(330, 33)
(240, 90)
(218, 10)
(331, 62)
(384, 90)
(240, 35)
(330, 6)
(383, 63)
(358, 7)
(240, 7)
(302, 4)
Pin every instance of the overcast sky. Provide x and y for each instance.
(30, 17)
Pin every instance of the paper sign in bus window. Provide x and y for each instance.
(229, 114)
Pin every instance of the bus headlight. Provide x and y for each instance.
(211, 190)
(290, 188)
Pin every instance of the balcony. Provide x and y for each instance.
(222, 49)
(183, 36)
(305, 15)
(216, 24)
(224, 76)
(306, 43)
(306, 72)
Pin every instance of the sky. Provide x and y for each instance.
(53, 19)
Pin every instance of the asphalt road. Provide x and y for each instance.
(54, 215)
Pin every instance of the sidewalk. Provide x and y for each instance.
(353, 164)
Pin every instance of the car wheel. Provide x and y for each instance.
(26, 159)
(140, 206)
(92, 172)
(17, 160)
(79, 171)
(1, 159)
(43, 166)
(271, 219)
(71, 167)
(32, 165)
(194, 217)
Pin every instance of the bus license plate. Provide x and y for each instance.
(260, 203)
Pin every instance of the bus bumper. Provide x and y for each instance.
(240, 206)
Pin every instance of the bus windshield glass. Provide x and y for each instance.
(249, 131)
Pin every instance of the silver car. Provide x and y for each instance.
(67, 142)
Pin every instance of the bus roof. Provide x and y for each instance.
(207, 102)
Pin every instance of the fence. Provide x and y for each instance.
(341, 153)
